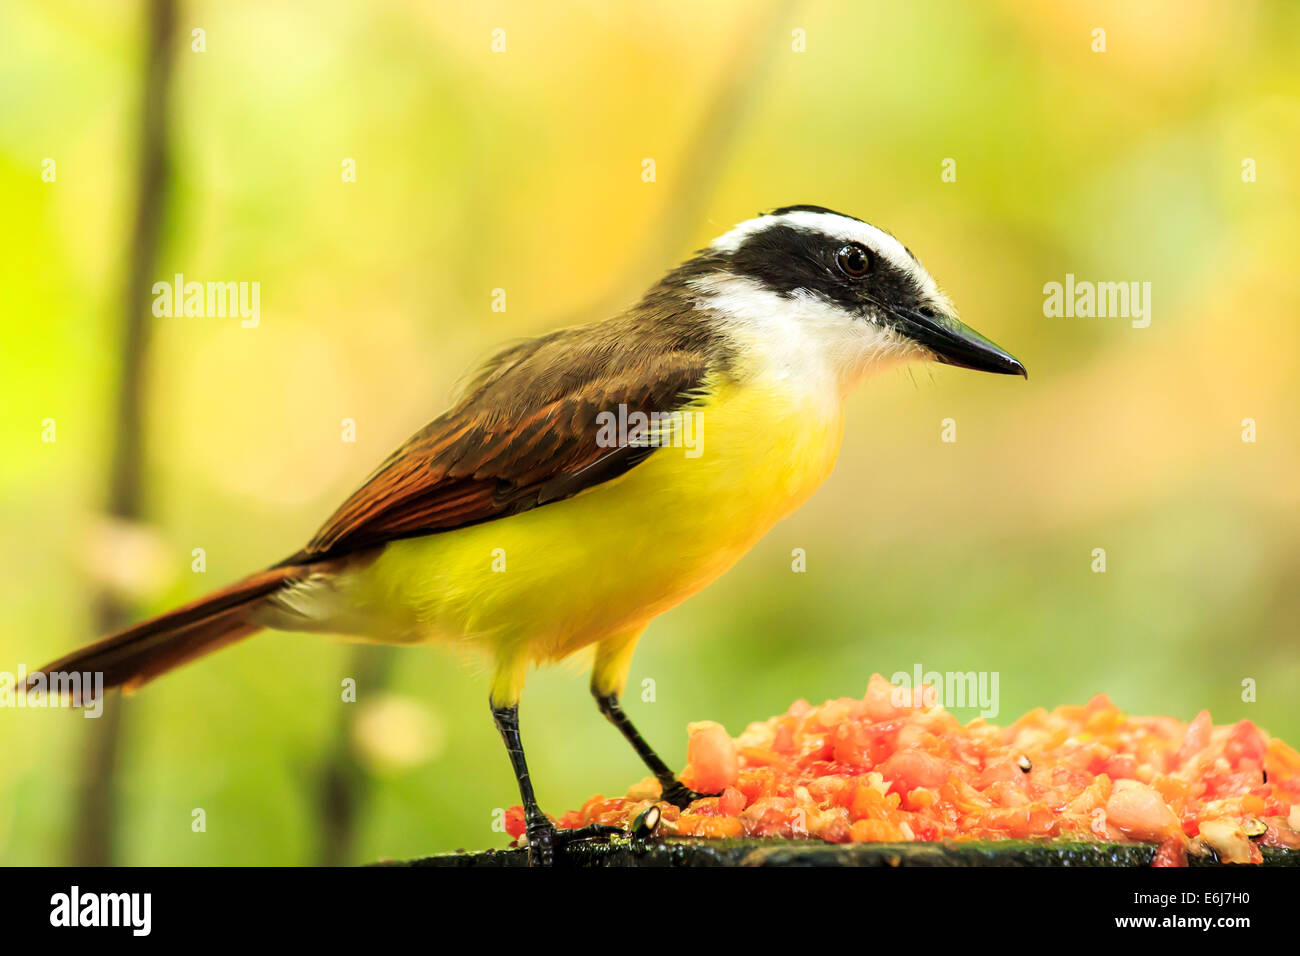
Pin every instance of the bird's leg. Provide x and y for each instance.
(543, 837)
(541, 831)
(608, 678)
(674, 791)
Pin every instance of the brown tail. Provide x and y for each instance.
(140, 653)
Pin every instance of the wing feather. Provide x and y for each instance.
(524, 435)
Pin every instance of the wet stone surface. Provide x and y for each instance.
(622, 851)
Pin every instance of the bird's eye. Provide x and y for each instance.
(854, 260)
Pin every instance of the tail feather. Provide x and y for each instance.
(137, 654)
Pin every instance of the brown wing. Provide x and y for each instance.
(525, 435)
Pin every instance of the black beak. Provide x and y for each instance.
(955, 344)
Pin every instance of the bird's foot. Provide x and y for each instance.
(682, 796)
(544, 839)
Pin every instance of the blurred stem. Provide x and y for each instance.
(97, 803)
(344, 782)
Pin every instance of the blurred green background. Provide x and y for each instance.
(522, 170)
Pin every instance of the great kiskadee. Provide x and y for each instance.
(748, 350)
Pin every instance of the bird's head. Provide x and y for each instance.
(819, 285)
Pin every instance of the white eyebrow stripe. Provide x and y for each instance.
(838, 227)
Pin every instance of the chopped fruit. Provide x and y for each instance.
(894, 768)
(1171, 853)
(515, 822)
(1229, 842)
(715, 827)
(1140, 812)
(711, 759)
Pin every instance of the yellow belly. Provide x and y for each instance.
(540, 585)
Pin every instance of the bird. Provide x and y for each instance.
(589, 479)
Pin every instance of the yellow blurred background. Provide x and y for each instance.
(522, 169)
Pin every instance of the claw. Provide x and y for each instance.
(682, 796)
(545, 839)
(541, 845)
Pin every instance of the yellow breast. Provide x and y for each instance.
(571, 573)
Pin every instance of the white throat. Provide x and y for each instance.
(800, 343)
